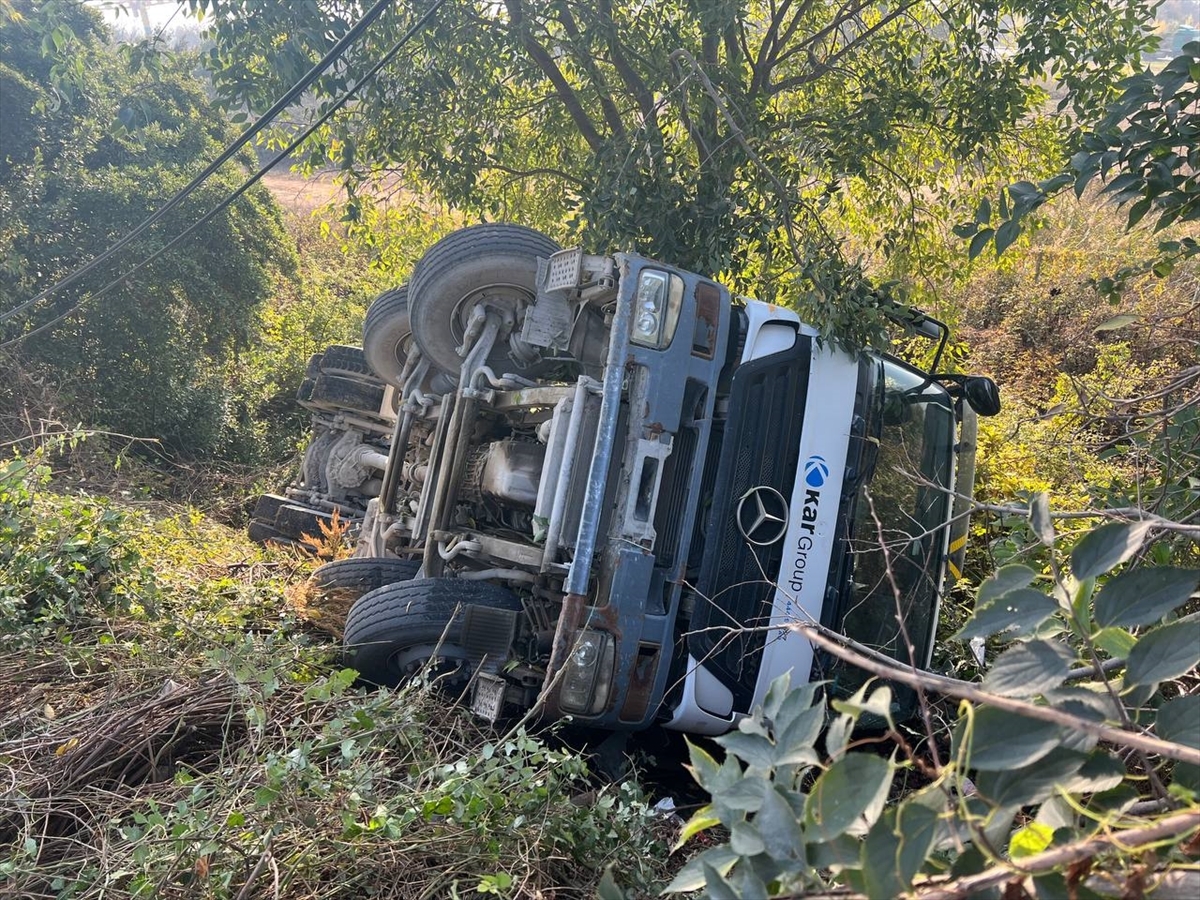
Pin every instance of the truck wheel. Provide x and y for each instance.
(393, 632)
(386, 334)
(340, 359)
(264, 533)
(357, 576)
(340, 392)
(498, 262)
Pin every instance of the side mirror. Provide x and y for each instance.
(982, 395)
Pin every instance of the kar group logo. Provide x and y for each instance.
(816, 470)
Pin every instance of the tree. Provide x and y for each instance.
(1145, 155)
(748, 139)
(95, 140)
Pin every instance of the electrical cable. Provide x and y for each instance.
(249, 183)
(279, 106)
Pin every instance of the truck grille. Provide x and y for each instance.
(761, 447)
(673, 497)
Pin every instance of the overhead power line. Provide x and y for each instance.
(279, 106)
(249, 183)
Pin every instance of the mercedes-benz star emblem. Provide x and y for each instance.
(762, 515)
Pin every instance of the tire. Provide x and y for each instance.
(304, 392)
(340, 392)
(364, 574)
(313, 367)
(501, 259)
(265, 533)
(267, 506)
(340, 359)
(295, 521)
(386, 334)
(392, 632)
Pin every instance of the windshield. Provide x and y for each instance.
(898, 515)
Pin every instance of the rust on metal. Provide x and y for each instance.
(641, 684)
(569, 622)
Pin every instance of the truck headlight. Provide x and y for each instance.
(587, 675)
(656, 308)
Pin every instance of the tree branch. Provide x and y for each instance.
(952, 687)
(586, 62)
(539, 54)
(1172, 827)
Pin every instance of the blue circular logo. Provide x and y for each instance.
(816, 470)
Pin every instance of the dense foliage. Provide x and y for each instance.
(94, 143)
(733, 138)
(171, 727)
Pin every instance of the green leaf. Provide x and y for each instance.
(917, 827)
(1117, 322)
(1007, 578)
(1178, 720)
(745, 796)
(778, 827)
(1103, 548)
(1030, 784)
(1116, 642)
(703, 768)
(1021, 611)
(701, 820)
(716, 887)
(1030, 840)
(979, 242)
(1029, 668)
(608, 888)
(1144, 596)
(1039, 518)
(753, 749)
(1101, 772)
(983, 213)
(1006, 234)
(1005, 740)
(691, 876)
(880, 859)
(844, 792)
(745, 839)
(1164, 653)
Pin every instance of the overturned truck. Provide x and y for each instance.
(604, 488)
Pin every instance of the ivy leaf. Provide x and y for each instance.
(1144, 596)
(1029, 668)
(1164, 653)
(1020, 611)
(1004, 740)
(1103, 548)
(844, 793)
